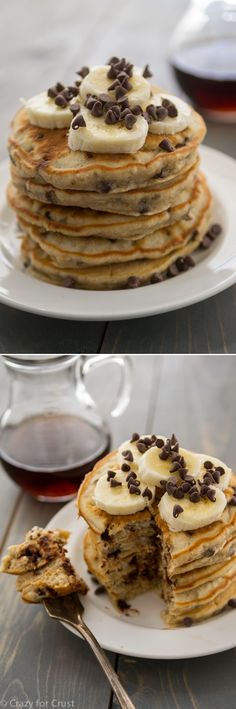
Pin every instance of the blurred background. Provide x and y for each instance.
(48, 41)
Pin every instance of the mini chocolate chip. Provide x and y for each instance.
(141, 447)
(159, 442)
(99, 590)
(137, 110)
(220, 469)
(232, 603)
(156, 277)
(134, 437)
(147, 493)
(110, 474)
(211, 494)
(187, 621)
(134, 490)
(78, 122)
(110, 117)
(52, 92)
(208, 464)
(122, 605)
(216, 476)
(205, 243)
(115, 483)
(172, 271)
(190, 479)
(181, 264)
(163, 483)
(164, 454)
(129, 120)
(190, 261)
(161, 113)
(204, 489)
(172, 111)
(75, 108)
(233, 501)
(112, 73)
(166, 102)
(59, 86)
(131, 475)
(61, 101)
(104, 97)
(175, 448)
(104, 186)
(68, 282)
(214, 230)
(128, 455)
(125, 468)
(178, 493)
(194, 496)
(120, 91)
(209, 551)
(133, 282)
(175, 466)
(151, 110)
(97, 109)
(143, 206)
(177, 509)
(147, 72)
(185, 487)
(166, 145)
(83, 71)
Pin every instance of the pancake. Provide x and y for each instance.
(73, 252)
(110, 276)
(78, 222)
(45, 153)
(143, 200)
(129, 554)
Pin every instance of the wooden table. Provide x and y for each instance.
(45, 41)
(40, 660)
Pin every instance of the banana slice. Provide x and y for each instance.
(194, 514)
(224, 479)
(99, 137)
(170, 125)
(118, 500)
(96, 82)
(44, 112)
(152, 469)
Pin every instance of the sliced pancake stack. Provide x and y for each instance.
(106, 221)
(190, 556)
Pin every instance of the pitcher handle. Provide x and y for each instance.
(88, 363)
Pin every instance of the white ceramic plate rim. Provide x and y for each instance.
(215, 272)
(113, 633)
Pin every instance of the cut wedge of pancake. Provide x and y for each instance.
(45, 153)
(73, 252)
(156, 197)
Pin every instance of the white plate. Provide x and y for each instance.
(141, 634)
(215, 270)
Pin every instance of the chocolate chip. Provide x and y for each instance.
(52, 92)
(120, 91)
(190, 479)
(220, 469)
(147, 493)
(177, 509)
(83, 71)
(59, 87)
(110, 117)
(112, 73)
(129, 120)
(161, 113)
(194, 496)
(166, 145)
(170, 486)
(205, 243)
(159, 442)
(172, 271)
(214, 231)
(203, 490)
(143, 206)
(78, 122)
(216, 476)
(151, 110)
(156, 278)
(164, 454)
(190, 261)
(209, 552)
(104, 186)
(68, 282)
(172, 111)
(187, 621)
(133, 282)
(175, 467)
(134, 437)
(163, 483)
(131, 475)
(233, 501)
(211, 494)
(166, 102)
(99, 590)
(105, 536)
(141, 447)
(181, 264)
(208, 464)
(97, 109)
(147, 72)
(122, 605)
(61, 101)
(115, 483)
(75, 108)
(133, 481)
(125, 468)
(178, 493)
(110, 474)
(185, 487)
(134, 490)
(232, 603)
(128, 455)
(137, 110)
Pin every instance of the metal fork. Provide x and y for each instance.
(70, 609)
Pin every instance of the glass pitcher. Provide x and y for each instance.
(52, 432)
(203, 56)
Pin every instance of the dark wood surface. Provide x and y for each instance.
(40, 660)
(41, 42)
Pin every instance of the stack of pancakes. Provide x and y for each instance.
(107, 220)
(195, 571)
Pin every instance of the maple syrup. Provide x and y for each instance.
(206, 71)
(49, 455)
